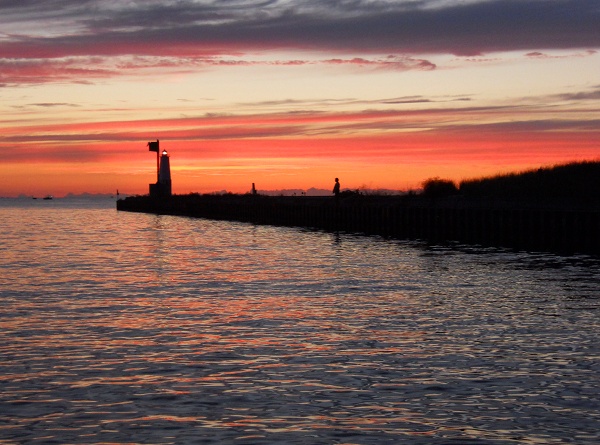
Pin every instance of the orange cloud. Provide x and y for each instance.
(384, 149)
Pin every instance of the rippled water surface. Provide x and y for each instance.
(122, 328)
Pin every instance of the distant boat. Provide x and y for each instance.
(48, 197)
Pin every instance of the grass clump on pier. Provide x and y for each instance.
(576, 180)
(573, 180)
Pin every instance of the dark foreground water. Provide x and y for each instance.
(131, 328)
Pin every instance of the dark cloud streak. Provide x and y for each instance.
(193, 29)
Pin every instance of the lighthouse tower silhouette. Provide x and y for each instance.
(162, 188)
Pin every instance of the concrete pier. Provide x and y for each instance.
(564, 228)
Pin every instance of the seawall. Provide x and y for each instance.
(565, 227)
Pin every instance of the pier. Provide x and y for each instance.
(560, 227)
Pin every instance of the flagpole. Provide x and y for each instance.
(157, 162)
(153, 146)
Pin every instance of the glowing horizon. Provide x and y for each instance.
(382, 96)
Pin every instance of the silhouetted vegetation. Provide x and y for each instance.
(439, 188)
(574, 180)
(350, 193)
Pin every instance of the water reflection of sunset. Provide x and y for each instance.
(150, 328)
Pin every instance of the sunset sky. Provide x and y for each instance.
(292, 93)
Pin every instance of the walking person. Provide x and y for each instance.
(336, 190)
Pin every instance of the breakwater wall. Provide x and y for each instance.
(564, 228)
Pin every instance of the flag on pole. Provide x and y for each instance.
(153, 146)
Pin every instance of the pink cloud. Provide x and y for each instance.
(542, 55)
(82, 69)
(44, 71)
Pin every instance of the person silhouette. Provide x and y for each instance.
(336, 189)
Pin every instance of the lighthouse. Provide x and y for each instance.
(162, 188)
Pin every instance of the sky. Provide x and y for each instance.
(291, 94)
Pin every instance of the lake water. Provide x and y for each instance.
(127, 328)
